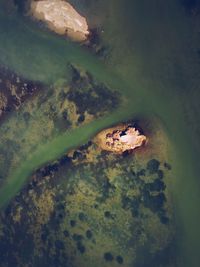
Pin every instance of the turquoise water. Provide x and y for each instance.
(153, 65)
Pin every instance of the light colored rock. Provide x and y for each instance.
(120, 138)
(61, 17)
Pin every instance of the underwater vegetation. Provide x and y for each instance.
(91, 205)
(52, 110)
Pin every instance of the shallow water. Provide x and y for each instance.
(156, 66)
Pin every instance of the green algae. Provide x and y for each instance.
(93, 208)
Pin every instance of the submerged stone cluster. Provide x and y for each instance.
(91, 204)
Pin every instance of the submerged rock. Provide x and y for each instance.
(3, 103)
(120, 138)
(60, 17)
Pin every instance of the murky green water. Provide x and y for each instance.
(153, 64)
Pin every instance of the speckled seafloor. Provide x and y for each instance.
(94, 206)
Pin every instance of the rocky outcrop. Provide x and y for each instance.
(60, 17)
(123, 137)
